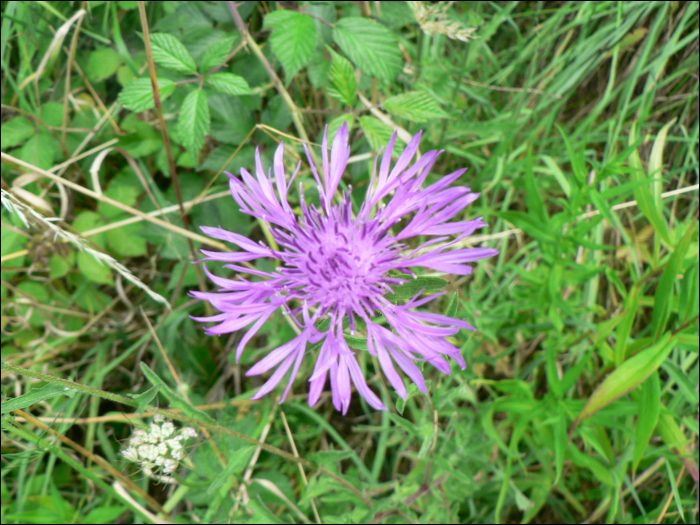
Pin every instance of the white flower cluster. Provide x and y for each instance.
(160, 448)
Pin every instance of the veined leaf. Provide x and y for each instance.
(194, 121)
(229, 84)
(344, 83)
(373, 48)
(626, 377)
(138, 94)
(293, 39)
(35, 396)
(170, 53)
(378, 134)
(216, 53)
(416, 106)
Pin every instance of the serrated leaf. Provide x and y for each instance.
(626, 377)
(36, 395)
(94, 270)
(343, 80)
(194, 121)
(16, 131)
(414, 286)
(144, 399)
(229, 84)
(235, 466)
(170, 53)
(335, 124)
(371, 46)
(103, 63)
(216, 53)
(378, 134)
(293, 39)
(138, 94)
(416, 106)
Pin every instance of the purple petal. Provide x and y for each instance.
(360, 384)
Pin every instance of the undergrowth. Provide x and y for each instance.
(578, 122)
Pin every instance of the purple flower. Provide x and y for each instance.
(339, 267)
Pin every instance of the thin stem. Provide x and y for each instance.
(168, 145)
(190, 421)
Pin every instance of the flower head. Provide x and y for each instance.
(339, 267)
(155, 449)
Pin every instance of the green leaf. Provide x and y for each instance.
(16, 131)
(453, 306)
(293, 39)
(413, 286)
(371, 46)
(144, 399)
(626, 377)
(690, 290)
(674, 437)
(194, 121)
(229, 84)
(649, 408)
(331, 456)
(124, 194)
(335, 124)
(664, 291)
(416, 106)
(623, 332)
(378, 134)
(170, 53)
(261, 514)
(217, 52)
(235, 466)
(88, 220)
(356, 342)
(36, 395)
(126, 243)
(94, 270)
(138, 94)
(39, 150)
(190, 277)
(343, 81)
(175, 400)
(646, 201)
(103, 63)
(59, 266)
(104, 514)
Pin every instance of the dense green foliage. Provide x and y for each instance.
(580, 399)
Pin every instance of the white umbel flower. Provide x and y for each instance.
(161, 448)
